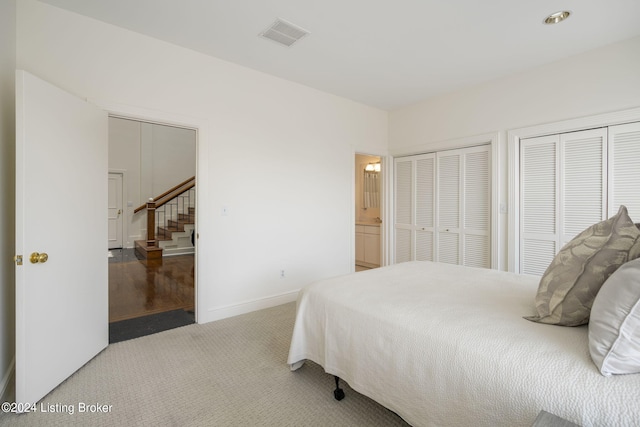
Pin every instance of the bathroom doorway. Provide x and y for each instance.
(368, 208)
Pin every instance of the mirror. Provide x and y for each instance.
(371, 186)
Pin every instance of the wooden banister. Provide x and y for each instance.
(151, 247)
(170, 194)
(151, 224)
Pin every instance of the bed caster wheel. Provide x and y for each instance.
(338, 393)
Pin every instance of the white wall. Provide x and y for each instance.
(153, 158)
(7, 189)
(602, 80)
(173, 155)
(256, 136)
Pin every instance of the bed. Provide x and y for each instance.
(446, 345)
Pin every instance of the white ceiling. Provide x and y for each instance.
(384, 53)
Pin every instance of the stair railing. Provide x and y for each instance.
(169, 199)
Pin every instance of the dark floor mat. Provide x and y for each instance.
(147, 325)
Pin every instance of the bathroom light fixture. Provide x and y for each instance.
(557, 17)
(372, 167)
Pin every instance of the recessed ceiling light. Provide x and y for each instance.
(554, 18)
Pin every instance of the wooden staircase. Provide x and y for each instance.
(168, 236)
(173, 226)
(177, 233)
(173, 233)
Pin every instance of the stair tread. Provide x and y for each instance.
(171, 229)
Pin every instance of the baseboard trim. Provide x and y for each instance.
(219, 313)
(6, 381)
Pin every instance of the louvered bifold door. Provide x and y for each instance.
(476, 247)
(449, 205)
(582, 181)
(404, 199)
(624, 169)
(425, 207)
(538, 203)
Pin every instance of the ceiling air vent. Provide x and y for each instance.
(284, 33)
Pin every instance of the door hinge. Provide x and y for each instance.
(18, 259)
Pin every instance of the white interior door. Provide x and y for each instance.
(114, 210)
(425, 167)
(403, 205)
(563, 180)
(449, 196)
(61, 198)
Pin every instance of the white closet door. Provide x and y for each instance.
(454, 230)
(582, 181)
(538, 203)
(624, 175)
(449, 207)
(425, 207)
(464, 194)
(563, 191)
(404, 195)
(476, 210)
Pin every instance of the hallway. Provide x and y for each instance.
(139, 287)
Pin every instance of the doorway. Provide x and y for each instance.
(368, 217)
(149, 293)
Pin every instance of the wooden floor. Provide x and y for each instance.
(141, 287)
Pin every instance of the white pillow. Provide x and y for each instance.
(614, 327)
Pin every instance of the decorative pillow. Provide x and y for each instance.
(614, 328)
(574, 277)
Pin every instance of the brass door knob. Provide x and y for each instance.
(38, 258)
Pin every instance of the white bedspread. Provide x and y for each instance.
(444, 345)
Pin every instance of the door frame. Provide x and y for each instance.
(386, 171)
(142, 114)
(123, 197)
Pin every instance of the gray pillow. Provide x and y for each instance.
(574, 277)
(614, 328)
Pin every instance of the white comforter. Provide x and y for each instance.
(444, 345)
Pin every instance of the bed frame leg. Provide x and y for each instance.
(338, 393)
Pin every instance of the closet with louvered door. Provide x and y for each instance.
(463, 195)
(476, 215)
(449, 206)
(425, 208)
(538, 191)
(442, 207)
(403, 209)
(624, 172)
(562, 192)
(414, 208)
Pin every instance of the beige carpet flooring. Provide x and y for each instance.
(232, 372)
